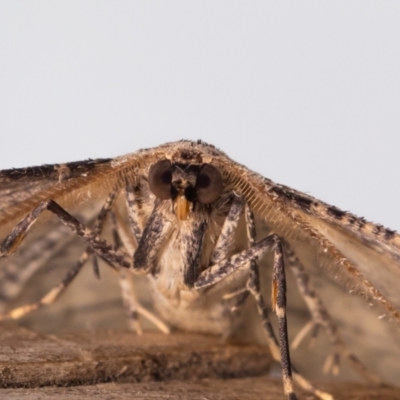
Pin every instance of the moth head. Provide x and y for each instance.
(185, 184)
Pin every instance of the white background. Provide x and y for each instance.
(306, 93)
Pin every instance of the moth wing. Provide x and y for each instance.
(332, 250)
(50, 250)
(364, 254)
(23, 189)
(373, 250)
(304, 222)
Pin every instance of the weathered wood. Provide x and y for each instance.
(257, 388)
(30, 359)
(120, 365)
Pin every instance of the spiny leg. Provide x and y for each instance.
(227, 235)
(279, 351)
(223, 246)
(154, 233)
(133, 207)
(125, 284)
(121, 237)
(104, 249)
(321, 318)
(279, 306)
(224, 243)
(278, 302)
(217, 272)
(131, 305)
(56, 292)
(51, 296)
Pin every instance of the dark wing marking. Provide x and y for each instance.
(23, 189)
(372, 235)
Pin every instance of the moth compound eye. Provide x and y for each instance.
(208, 184)
(160, 177)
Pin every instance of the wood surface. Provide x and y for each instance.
(121, 365)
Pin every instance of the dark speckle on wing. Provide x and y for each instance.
(335, 212)
(302, 202)
(52, 171)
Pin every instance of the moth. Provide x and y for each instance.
(212, 239)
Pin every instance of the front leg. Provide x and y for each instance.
(101, 246)
(155, 232)
(240, 260)
(224, 268)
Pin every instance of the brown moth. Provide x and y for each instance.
(209, 236)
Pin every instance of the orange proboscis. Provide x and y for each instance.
(182, 207)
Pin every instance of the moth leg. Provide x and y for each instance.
(133, 207)
(156, 230)
(224, 244)
(279, 351)
(128, 301)
(278, 304)
(321, 318)
(132, 307)
(125, 284)
(224, 268)
(104, 249)
(55, 292)
(238, 297)
(227, 236)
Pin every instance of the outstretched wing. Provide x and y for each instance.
(343, 255)
(365, 254)
(50, 250)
